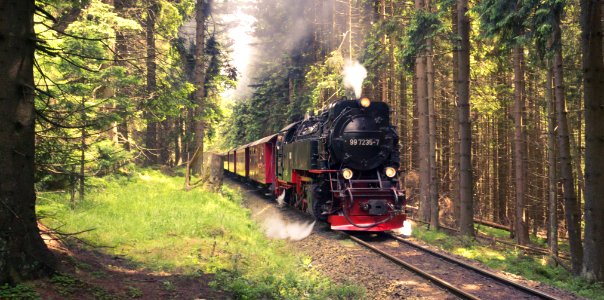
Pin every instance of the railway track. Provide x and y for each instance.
(451, 274)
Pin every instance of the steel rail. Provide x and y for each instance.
(481, 271)
(444, 284)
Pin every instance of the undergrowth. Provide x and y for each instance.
(148, 218)
(532, 267)
(19, 291)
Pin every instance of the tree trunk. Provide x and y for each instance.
(202, 11)
(503, 165)
(349, 23)
(423, 130)
(593, 76)
(433, 169)
(178, 137)
(403, 125)
(23, 254)
(552, 232)
(455, 128)
(82, 177)
(571, 206)
(122, 52)
(151, 134)
(415, 157)
(215, 172)
(466, 218)
(521, 228)
(384, 73)
(164, 141)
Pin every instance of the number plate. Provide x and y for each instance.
(364, 142)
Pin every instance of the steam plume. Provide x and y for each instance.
(278, 228)
(406, 230)
(281, 199)
(354, 74)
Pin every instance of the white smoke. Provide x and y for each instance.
(354, 73)
(406, 230)
(281, 199)
(278, 228)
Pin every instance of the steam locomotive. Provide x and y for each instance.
(339, 165)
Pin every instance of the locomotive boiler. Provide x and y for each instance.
(340, 165)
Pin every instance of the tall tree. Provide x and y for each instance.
(593, 80)
(552, 231)
(571, 206)
(421, 82)
(520, 170)
(505, 19)
(466, 218)
(433, 169)
(151, 134)
(202, 11)
(122, 54)
(23, 254)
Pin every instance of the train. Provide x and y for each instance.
(340, 165)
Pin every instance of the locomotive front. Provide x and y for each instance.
(341, 166)
(362, 147)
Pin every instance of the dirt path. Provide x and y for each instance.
(90, 274)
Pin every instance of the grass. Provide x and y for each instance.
(148, 218)
(505, 235)
(532, 267)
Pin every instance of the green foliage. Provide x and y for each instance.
(374, 56)
(107, 157)
(148, 218)
(65, 284)
(503, 19)
(169, 19)
(85, 88)
(18, 292)
(266, 111)
(517, 23)
(78, 83)
(322, 78)
(167, 285)
(133, 292)
(290, 286)
(220, 75)
(424, 25)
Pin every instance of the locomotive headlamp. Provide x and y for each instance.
(390, 171)
(347, 173)
(365, 102)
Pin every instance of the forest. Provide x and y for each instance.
(498, 104)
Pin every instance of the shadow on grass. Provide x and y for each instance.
(85, 273)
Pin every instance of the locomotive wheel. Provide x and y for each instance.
(318, 201)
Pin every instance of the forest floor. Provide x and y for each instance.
(84, 273)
